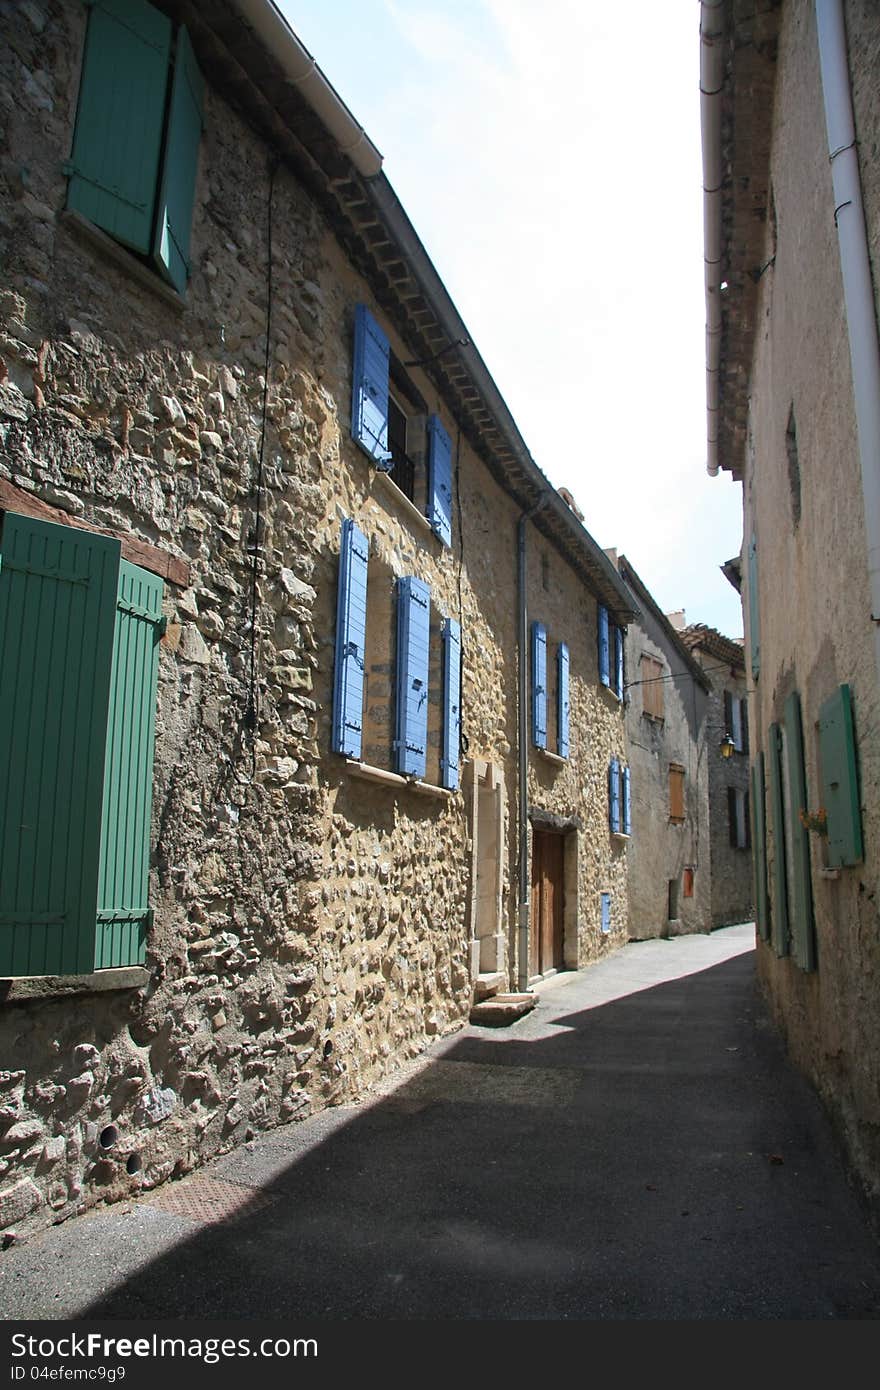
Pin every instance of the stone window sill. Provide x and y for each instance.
(619, 835)
(127, 261)
(555, 758)
(368, 773)
(30, 989)
(409, 508)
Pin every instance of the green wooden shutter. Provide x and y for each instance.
(175, 209)
(840, 780)
(754, 611)
(759, 842)
(802, 925)
(123, 911)
(114, 165)
(57, 613)
(777, 811)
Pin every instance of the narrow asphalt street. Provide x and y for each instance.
(635, 1148)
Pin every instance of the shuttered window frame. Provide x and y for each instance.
(539, 684)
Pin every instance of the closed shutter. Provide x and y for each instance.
(614, 796)
(754, 619)
(439, 480)
(605, 901)
(58, 589)
(618, 662)
(627, 803)
(123, 879)
(369, 393)
(114, 165)
(801, 904)
(351, 635)
(413, 627)
(777, 813)
(562, 697)
(728, 714)
(177, 193)
(732, 829)
(759, 841)
(604, 652)
(744, 710)
(676, 793)
(840, 779)
(539, 685)
(451, 703)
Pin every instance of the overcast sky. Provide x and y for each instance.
(548, 155)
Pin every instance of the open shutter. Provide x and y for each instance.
(176, 195)
(614, 796)
(728, 714)
(840, 780)
(114, 164)
(562, 697)
(413, 628)
(754, 619)
(759, 841)
(351, 636)
(618, 662)
(604, 651)
(539, 685)
(777, 812)
(123, 879)
(439, 480)
(802, 926)
(451, 703)
(58, 589)
(369, 389)
(744, 714)
(732, 832)
(627, 802)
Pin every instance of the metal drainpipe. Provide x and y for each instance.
(858, 288)
(523, 737)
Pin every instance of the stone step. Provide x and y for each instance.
(489, 982)
(502, 1009)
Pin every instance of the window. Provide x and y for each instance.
(687, 881)
(619, 798)
(388, 422)
(610, 640)
(736, 721)
(605, 909)
(840, 780)
(138, 125)
(541, 704)
(738, 819)
(672, 900)
(651, 675)
(395, 680)
(676, 793)
(79, 656)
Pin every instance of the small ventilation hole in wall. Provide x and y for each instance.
(108, 1136)
(133, 1164)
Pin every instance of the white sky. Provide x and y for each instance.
(548, 155)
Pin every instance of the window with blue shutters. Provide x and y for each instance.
(539, 685)
(351, 634)
(604, 640)
(413, 630)
(133, 163)
(369, 388)
(562, 700)
(605, 912)
(451, 733)
(439, 480)
(614, 796)
(79, 653)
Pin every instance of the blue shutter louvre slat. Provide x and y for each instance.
(369, 388)
(451, 703)
(351, 633)
(413, 631)
(562, 658)
(604, 656)
(618, 662)
(539, 685)
(614, 796)
(627, 803)
(439, 480)
(177, 193)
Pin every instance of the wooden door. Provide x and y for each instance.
(547, 924)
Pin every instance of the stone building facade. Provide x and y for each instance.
(727, 743)
(249, 453)
(667, 708)
(792, 118)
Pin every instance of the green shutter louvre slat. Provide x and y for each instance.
(177, 193)
(780, 891)
(754, 611)
(114, 163)
(801, 916)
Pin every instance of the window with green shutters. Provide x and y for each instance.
(79, 647)
(840, 780)
(135, 148)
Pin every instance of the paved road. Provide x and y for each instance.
(635, 1148)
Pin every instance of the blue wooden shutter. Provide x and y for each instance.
(114, 164)
(439, 480)
(754, 615)
(780, 871)
(539, 685)
(451, 702)
(614, 796)
(369, 388)
(176, 195)
(413, 630)
(840, 779)
(627, 803)
(58, 590)
(563, 702)
(604, 653)
(803, 931)
(351, 636)
(759, 842)
(123, 878)
(605, 899)
(618, 662)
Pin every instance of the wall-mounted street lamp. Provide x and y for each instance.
(728, 747)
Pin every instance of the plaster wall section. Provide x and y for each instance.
(815, 628)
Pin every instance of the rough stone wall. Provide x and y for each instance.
(661, 849)
(733, 893)
(812, 584)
